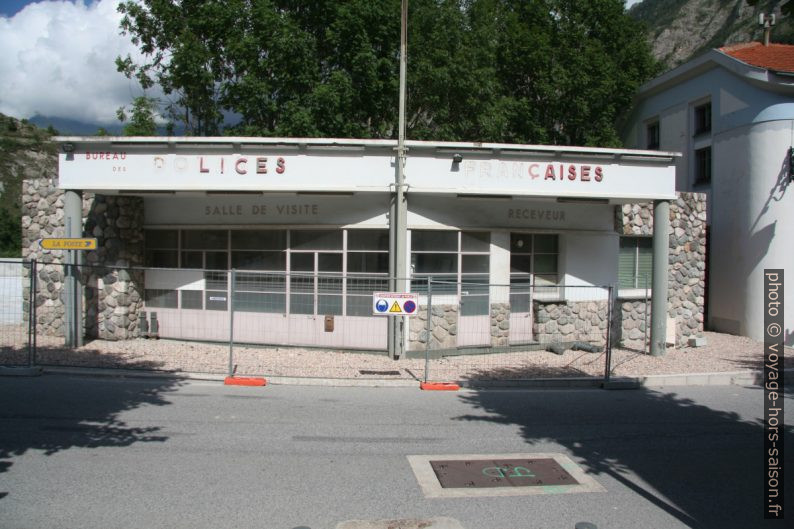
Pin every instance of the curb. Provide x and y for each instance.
(34, 371)
(738, 378)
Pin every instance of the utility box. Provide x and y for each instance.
(329, 323)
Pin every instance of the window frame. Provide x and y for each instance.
(636, 288)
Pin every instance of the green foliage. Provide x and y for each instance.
(543, 71)
(21, 147)
(141, 118)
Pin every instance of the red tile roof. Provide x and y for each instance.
(775, 57)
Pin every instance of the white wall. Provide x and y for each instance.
(11, 277)
(752, 226)
(589, 259)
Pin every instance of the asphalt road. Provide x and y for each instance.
(149, 453)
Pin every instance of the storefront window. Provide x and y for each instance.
(162, 248)
(533, 268)
(367, 269)
(277, 271)
(458, 262)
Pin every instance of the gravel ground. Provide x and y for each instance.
(722, 354)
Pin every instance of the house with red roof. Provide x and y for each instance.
(730, 113)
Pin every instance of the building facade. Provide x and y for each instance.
(730, 113)
(305, 226)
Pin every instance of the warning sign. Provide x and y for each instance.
(394, 303)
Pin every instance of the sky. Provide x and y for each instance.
(58, 58)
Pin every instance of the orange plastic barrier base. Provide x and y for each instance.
(439, 386)
(244, 381)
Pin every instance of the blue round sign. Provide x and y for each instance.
(409, 306)
(382, 305)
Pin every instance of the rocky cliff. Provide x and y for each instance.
(682, 29)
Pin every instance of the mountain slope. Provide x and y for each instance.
(682, 29)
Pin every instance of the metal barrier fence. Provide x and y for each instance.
(510, 332)
(15, 332)
(301, 324)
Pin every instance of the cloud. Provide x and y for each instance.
(58, 60)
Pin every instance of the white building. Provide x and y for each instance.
(482, 214)
(730, 112)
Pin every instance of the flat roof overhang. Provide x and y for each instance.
(187, 166)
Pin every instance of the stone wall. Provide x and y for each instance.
(43, 216)
(500, 324)
(113, 295)
(444, 328)
(572, 321)
(687, 265)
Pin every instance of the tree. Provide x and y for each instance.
(141, 118)
(543, 71)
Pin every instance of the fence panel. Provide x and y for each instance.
(513, 332)
(310, 325)
(15, 346)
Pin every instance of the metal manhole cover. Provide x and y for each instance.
(481, 473)
(484, 475)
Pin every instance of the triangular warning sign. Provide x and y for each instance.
(395, 307)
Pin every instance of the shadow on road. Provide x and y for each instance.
(661, 447)
(52, 413)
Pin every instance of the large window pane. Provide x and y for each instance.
(329, 285)
(259, 240)
(275, 261)
(216, 280)
(192, 299)
(159, 239)
(545, 264)
(260, 282)
(329, 304)
(367, 263)
(434, 241)
(329, 262)
(474, 306)
(367, 286)
(301, 304)
(217, 260)
(316, 239)
(301, 262)
(475, 264)
(375, 240)
(474, 241)
(545, 244)
(162, 258)
(205, 239)
(359, 305)
(520, 264)
(164, 299)
(192, 260)
(259, 302)
(302, 283)
(520, 242)
(434, 263)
